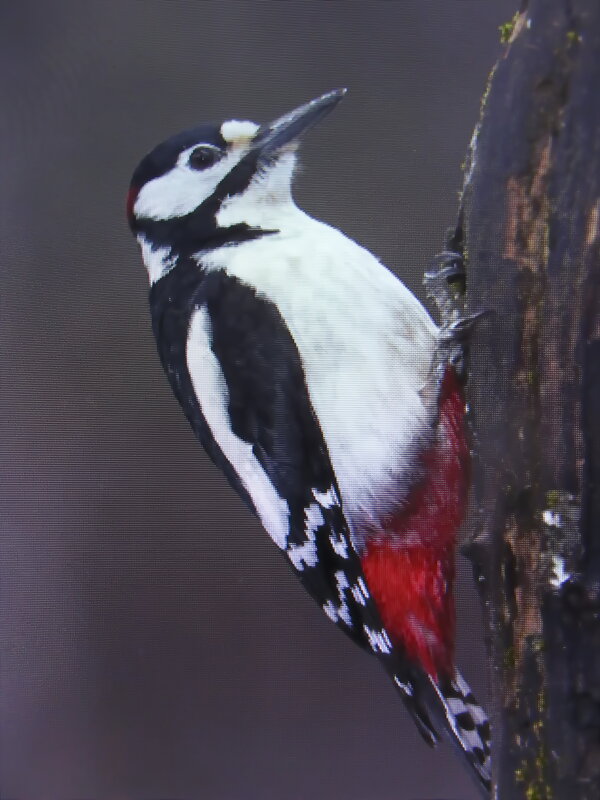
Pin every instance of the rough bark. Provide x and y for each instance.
(529, 228)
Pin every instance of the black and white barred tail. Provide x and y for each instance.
(449, 705)
(467, 725)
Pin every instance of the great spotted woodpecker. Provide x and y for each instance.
(322, 388)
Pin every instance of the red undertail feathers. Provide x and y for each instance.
(410, 569)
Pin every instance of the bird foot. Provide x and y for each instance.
(445, 283)
(460, 329)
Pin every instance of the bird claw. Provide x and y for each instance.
(445, 283)
(447, 264)
(461, 328)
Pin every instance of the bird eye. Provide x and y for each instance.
(203, 157)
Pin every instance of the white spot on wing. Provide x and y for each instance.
(340, 546)
(342, 584)
(306, 553)
(211, 390)
(314, 518)
(405, 687)
(342, 611)
(327, 499)
(379, 641)
(358, 595)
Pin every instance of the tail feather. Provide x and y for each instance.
(410, 691)
(448, 704)
(467, 725)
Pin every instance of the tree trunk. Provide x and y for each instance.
(529, 228)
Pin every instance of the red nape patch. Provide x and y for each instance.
(410, 567)
(130, 202)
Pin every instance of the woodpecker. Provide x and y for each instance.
(322, 388)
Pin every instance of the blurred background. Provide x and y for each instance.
(153, 642)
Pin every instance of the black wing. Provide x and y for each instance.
(269, 408)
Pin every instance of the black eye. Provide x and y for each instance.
(203, 157)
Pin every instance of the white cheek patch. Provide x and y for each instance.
(211, 391)
(181, 190)
(238, 132)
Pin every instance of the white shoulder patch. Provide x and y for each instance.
(237, 131)
(211, 391)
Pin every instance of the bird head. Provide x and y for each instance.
(202, 185)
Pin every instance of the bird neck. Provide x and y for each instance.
(263, 208)
(267, 200)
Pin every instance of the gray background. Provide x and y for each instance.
(153, 642)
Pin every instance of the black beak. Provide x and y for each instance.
(270, 138)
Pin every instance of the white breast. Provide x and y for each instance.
(366, 344)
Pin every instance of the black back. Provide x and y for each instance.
(269, 407)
